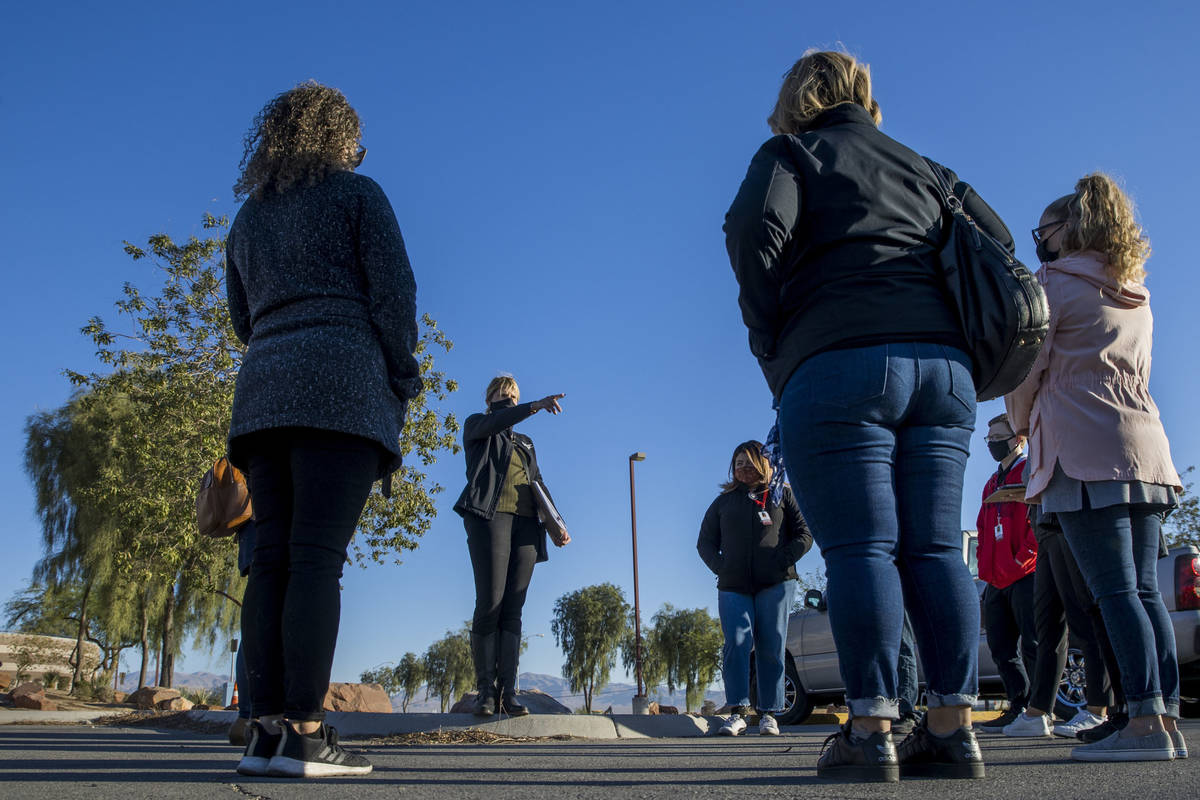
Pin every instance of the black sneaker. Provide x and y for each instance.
(315, 755)
(1116, 722)
(872, 759)
(923, 755)
(904, 726)
(260, 748)
(995, 725)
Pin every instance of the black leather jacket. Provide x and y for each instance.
(488, 441)
(745, 555)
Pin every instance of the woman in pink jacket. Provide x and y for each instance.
(1099, 458)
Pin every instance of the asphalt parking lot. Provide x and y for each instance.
(62, 762)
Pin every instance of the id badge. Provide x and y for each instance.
(999, 531)
(764, 517)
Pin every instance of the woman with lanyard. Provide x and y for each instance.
(751, 538)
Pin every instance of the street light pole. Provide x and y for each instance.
(640, 706)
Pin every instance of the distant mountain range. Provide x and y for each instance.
(617, 695)
(192, 680)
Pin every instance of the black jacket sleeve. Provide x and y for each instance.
(758, 226)
(239, 310)
(391, 290)
(709, 543)
(481, 426)
(797, 538)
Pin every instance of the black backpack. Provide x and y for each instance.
(1000, 304)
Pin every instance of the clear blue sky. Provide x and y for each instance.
(560, 172)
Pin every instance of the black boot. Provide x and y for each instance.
(483, 652)
(510, 655)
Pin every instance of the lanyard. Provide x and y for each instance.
(763, 516)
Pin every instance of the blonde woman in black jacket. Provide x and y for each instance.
(504, 536)
(752, 544)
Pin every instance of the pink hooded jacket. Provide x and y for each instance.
(1086, 403)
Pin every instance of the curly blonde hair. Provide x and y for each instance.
(820, 80)
(1101, 217)
(298, 138)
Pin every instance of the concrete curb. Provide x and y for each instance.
(595, 726)
(21, 716)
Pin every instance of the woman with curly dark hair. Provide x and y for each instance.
(321, 291)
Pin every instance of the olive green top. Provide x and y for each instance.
(516, 495)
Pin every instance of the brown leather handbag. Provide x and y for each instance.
(223, 502)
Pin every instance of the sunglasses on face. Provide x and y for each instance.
(1038, 234)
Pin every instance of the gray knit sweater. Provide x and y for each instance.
(321, 291)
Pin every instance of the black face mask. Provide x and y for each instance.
(507, 402)
(1045, 254)
(999, 450)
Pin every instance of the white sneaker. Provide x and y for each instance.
(1025, 725)
(767, 726)
(733, 726)
(1179, 743)
(1083, 721)
(1152, 747)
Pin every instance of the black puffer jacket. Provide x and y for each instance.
(833, 238)
(488, 442)
(745, 555)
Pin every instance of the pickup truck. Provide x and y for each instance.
(812, 676)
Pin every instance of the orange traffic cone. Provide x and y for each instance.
(234, 701)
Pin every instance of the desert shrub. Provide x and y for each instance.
(200, 696)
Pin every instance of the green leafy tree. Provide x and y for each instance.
(449, 671)
(173, 368)
(686, 650)
(654, 671)
(67, 453)
(409, 676)
(590, 625)
(385, 676)
(1183, 526)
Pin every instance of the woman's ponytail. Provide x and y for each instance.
(1102, 218)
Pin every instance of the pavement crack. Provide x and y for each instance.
(244, 792)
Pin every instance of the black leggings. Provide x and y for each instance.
(1062, 604)
(309, 487)
(503, 552)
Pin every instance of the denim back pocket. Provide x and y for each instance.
(962, 385)
(846, 378)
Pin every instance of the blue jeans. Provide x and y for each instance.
(1116, 548)
(875, 440)
(755, 622)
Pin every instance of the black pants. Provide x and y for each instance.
(1062, 605)
(503, 552)
(308, 488)
(1008, 619)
